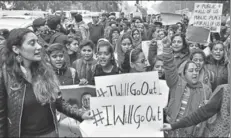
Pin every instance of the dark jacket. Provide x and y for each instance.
(67, 76)
(11, 107)
(220, 69)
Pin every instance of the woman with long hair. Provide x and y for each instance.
(29, 90)
(180, 51)
(217, 62)
(124, 45)
(136, 38)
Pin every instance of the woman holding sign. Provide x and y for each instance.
(187, 93)
(29, 90)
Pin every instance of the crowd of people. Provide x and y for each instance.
(62, 52)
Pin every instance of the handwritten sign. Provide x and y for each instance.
(146, 83)
(208, 15)
(196, 34)
(132, 116)
(145, 49)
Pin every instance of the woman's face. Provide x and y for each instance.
(136, 35)
(193, 46)
(161, 35)
(30, 49)
(179, 26)
(192, 73)
(159, 67)
(199, 60)
(126, 45)
(140, 65)
(87, 53)
(104, 56)
(57, 59)
(137, 22)
(170, 34)
(218, 52)
(177, 44)
(115, 34)
(74, 46)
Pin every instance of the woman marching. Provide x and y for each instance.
(187, 93)
(29, 90)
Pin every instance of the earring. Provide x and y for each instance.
(19, 58)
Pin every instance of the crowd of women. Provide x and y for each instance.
(35, 63)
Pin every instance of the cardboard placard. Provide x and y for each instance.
(196, 34)
(208, 15)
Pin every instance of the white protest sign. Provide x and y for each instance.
(145, 83)
(145, 49)
(208, 15)
(132, 116)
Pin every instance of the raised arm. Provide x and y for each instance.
(152, 52)
(171, 73)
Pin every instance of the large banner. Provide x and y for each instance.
(208, 15)
(125, 116)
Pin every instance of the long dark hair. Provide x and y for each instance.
(185, 48)
(109, 48)
(130, 57)
(44, 81)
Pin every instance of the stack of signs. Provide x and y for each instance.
(196, 34)
(129, 105)
(208, 15)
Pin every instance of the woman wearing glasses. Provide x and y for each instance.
(134, 61)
